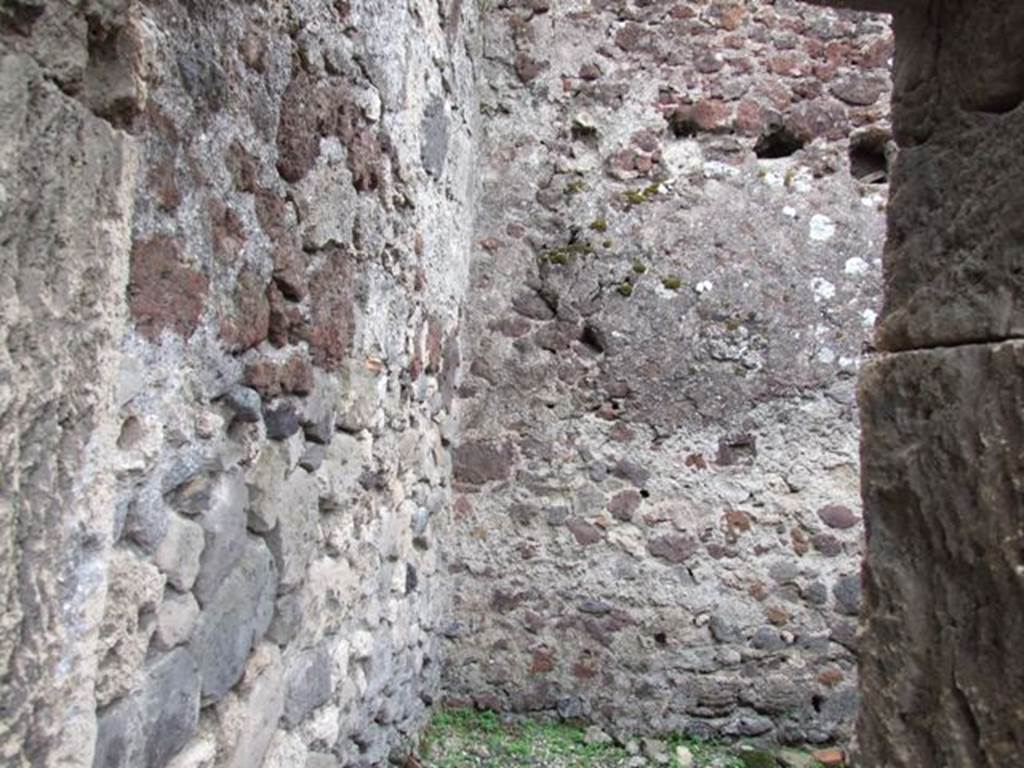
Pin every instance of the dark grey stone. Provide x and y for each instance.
(847, 592)
(147, 729)
(282, 422)
(312, 457)
(287, 618)
(768, 639)
(119, 741)
(234, 620)
(435, 137)
(245, 403)
(170, 706)
(307, 682)
(223, 525)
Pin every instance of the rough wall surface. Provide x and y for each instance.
(941, 671)
(658, 520)
(234, 247)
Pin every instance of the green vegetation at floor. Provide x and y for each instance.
(459, 738)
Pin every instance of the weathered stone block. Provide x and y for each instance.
(293, 539)
(943, 592)
(308, 683)
(175, 619)
(223, 524)
(248, 720)
(179, 552)
(234, 618)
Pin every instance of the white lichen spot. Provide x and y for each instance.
(822, 228)
(856, 266)
(789, 211)
(868, 318)
(826, 355)
(823, 289)
(703, 286)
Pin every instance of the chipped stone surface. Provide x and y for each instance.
(941, 489)
(229, 230)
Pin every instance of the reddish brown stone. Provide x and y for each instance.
(624, 504)
(751, 118)
(248, 323)
(227, 233)
(511, 327)
(272, 379)
(164, 294)
(585, 533)
(331, 310)
(435, 346)
(528, 68)
(631, 37)
(697, 461)
(735, 522)
(582, 670)
(827, 544)
(162, 180)
(831, 676)
(838, 516)
(673, 547)
(478, 462)
(776, 616)
(286, 321)
(298, 136)
(800, 544)
(831, 758)
(290, 272)
(543, 662)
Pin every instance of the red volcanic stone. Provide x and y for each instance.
(673, 547)
(510, 327)
(478, 462)
(827, 544)
(858, 90)
(290, 272)
(227, 232)
(585, 533)
(838, 516)
(631, 37)
(249, 321)
(298, 137)
(751, 118)
(272, 379)
(624, 504)
(821, 118)
(164, 294)
(331, 309)
(314, 107)
(543, 661)
(528, 68)
(286, 320)
(711, 115)
(162, 180)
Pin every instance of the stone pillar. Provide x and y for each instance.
(66, 182)
(942, 670)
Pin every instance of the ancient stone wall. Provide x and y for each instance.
(235, 241)
(676, 271)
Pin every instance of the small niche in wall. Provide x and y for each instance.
(869, 162)
(776, 142)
